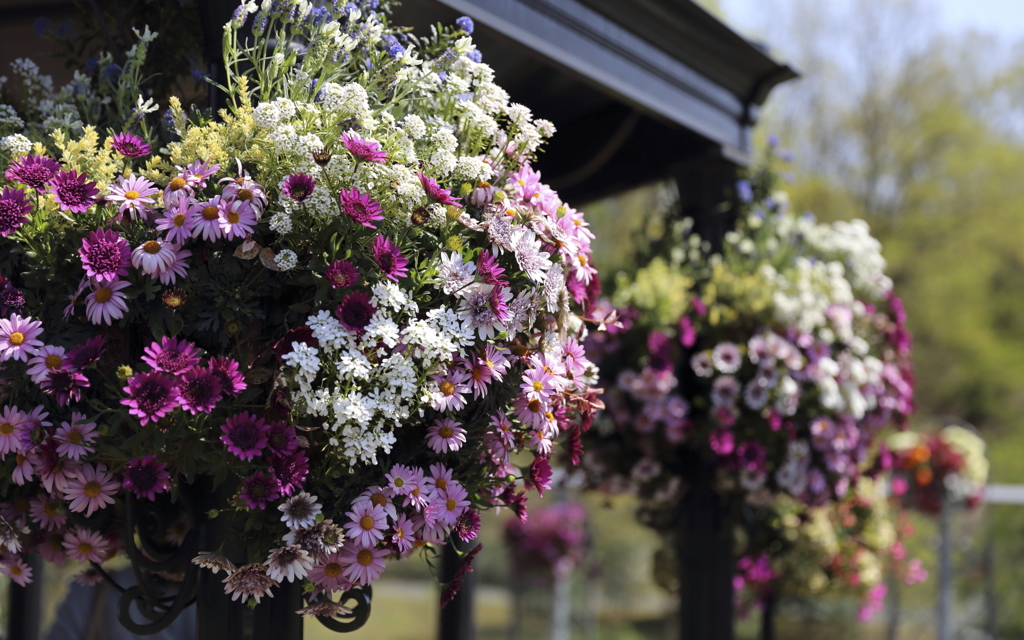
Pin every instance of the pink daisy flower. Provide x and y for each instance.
(47, 512)
(51, 548)
(379, 496)
(360, 207)
(178, 268)
(436, 193)
(18, 337)
(105, 255)
(447, 506)
(389, 258)
(206, 220)
(400, 479)
(368, 522)
(490, 271)
(438, 478)
(91, 489)
(362, 566)
(64, 385)
(74, 437)
(72, 192)
(48, 358)
(177, 222)
(363, 149)
(145, 477)
(246, 189)
(55, 473)
(151, 396)
(106, 302)
(196, 173)
(446, 435)
(259, 489)
(24, 470)
(419, 496)
(178, 192)
(153, 256)
(245, 435)
(237, 218)
(326, 574)
(451, 385)
(538, 384)
(15, 568)
(532, 413)
(11, 423)
(199, 390)
(402, 535)
(171, 355)
(134, 194)
(16, 511)
(480, 375)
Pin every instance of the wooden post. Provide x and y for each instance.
(25, 603)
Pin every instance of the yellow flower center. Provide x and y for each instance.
(332, 570)
(50, 509)
(366, 523)
(450, 504)
(210, 212)
(6, 429)
(179, 219)
(419, 544)
(441, 484)
(244, 194)
(151, 247)
(233, 217)
(399, 482)
(583, 260)
(378, 499)
(400, 533)
(533, 405)
(17, 338)
(91, 489)
(177, 183)
(478, 374)
(131, 195)
(364, 557)
(445, 432)
(446, 387)
(53, 362)
(84, 548)
(483, 185)
(538, 386)
(18, 459)
(14, 569)
(75, 437)
(103, 294)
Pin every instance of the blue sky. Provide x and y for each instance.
(1002, 17)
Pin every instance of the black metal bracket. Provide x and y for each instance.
(362, 597)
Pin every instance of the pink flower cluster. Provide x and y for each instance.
(551, 543)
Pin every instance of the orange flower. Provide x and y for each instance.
(923, 476)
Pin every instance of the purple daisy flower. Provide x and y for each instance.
(446, 435)
(298, 186)
(72, 192)
(290, 471)
(259, 489)
(85, 354)
(105, 255)
(33, 171)
(341, 274)
(355, 310)
(281, 439)
(360, 207)
(106, 302)
(130, 145)
(153, 257)
(19, 337)
(245, 435)
(14, 210)
(206, 220)
(197, 173)
(490, 271)
(389, 258)
(171, 355)
(145, 477)
(178, 268)
(200, 390)
(177, 222)
(64, 385)
(237, 217)
(134, 194)
(436, 193)
(231, 381)
(364, 149)
(152, 395)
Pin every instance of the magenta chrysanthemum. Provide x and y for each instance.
(356, 310)
(145, 477)
(436, 193)
(341, 274)
(298, 186)
(389, 258)
(171, 355)
(130, 145)
(200, 390)
(290, 471)
(259, 489)
(106, 303)
(230, 378)
(14, 210)
(245, 435)
(281, 439)
(85, 354)
(152, 395)
(363, 149)
(72, 192)
(490, 271)
(105, 255)
(32, 171)
(360, 207)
